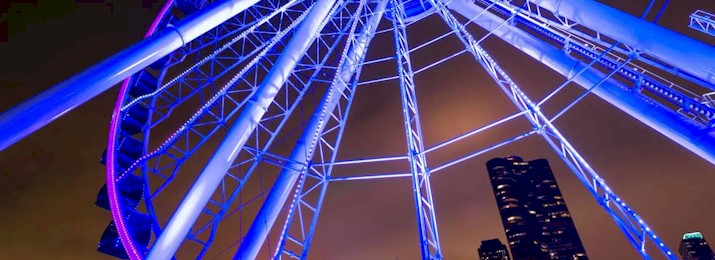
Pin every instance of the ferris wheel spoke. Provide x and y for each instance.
(190, 138)
(218, 216)
(674, 111)
(564, 149)
(212, 121)
(311, 188)
(206, 70)
(293, 164)
(260, 152)
(425, 212)
(133, 218)
(190, 208)
(178, 160)
(221, 33)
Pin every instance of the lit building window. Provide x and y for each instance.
(513, 218)
(510, 205)
(532, 187)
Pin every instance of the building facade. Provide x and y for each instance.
(537, 222)
(695, 247)
(493, 249)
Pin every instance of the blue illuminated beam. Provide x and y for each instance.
(303, 152)
(363, 160)
(687, 54)
(36, 112)
(200, 193)
(305, 203)
(632, 225)
(703, 21)
(695, 137)
(438, 168)
(421, 186)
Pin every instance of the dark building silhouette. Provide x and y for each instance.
(493, 249)
(535, 217)
(694, 247)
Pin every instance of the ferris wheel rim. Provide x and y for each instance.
(115, 208)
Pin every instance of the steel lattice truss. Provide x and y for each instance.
(229, 64)
(206, 126)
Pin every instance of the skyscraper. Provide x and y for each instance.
(694, 247)
(537, 222)
(493, 249)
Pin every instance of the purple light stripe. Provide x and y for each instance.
(111, 187)
(116, 210)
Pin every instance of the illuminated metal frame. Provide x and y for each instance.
(703, 21)
(691, 132)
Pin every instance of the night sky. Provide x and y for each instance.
(49, 181)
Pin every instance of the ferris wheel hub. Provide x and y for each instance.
(414, 10)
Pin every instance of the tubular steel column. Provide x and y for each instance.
(44, 108)
(696, 138)
(426, 221)
(680, 51)
(350, 67)
(632, 225)
(302, 152)
(190, 208)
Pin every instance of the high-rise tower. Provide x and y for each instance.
(694, 247)
(493, 249)
(537, 222)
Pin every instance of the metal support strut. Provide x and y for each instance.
(250, 247)
(343, 86)
(426, 220)
(696, 138)
(680, 51)
(40, 110)
(190, 208)
(632, 225)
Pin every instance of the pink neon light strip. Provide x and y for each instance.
(117, 215)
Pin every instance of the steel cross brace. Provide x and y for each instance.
(426, 221)
(703, 21)
(215, 170)
(259, 150)
(296, 237)
(171, 148)
(186, 132)
(221, 95)
(274, 201)
(209, 68)
(584, 44)
(632, 225)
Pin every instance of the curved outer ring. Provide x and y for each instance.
(116, 210)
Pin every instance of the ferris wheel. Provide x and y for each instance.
(225, 136)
